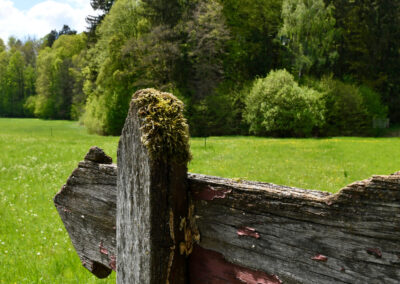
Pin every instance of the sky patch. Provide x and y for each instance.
(35, 19)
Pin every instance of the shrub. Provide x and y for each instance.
(346, 113)
(277, 105)
(219, 113)
(372, 102)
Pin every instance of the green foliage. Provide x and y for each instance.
(309, 28)
(153, 56)
(220, 113)
(17, 76)
(93, 118)
(58, 76)
(2, 46)
(373, 102)
(110, 74)
(13, 43)
(207, 51)
(164, 12)
(51, 37)
(94, 21)
(277, 105)
(346, 113)
(165, 131)
(15, 83)
(369, 47)
(207, 39)
(253, 49)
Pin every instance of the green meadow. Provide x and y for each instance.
(36, 158)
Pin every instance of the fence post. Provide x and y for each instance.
(152, 197)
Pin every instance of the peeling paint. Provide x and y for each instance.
(320, 257)
(113, 262)
(210, 193)
(103, 250)
(256, 278)
(207, 266)
(247, 231)
(375, 252)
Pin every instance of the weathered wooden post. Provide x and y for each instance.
(151, 190)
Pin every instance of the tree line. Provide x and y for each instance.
(265, 67)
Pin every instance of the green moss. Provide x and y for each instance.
(165, 130)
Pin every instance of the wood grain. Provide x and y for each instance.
(304, 236)
(87, 207)
(151, 201)
(281, 233)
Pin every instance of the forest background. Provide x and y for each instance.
(267, 67)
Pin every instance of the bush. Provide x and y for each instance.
(219, 113)
(372, 102)
(346, 113)
(278, 106)
(212, 116)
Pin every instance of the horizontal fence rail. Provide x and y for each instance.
(286, 233)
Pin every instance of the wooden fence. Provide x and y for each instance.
(152, 222)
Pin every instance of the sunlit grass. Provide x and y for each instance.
(36, 157)
(323, 164)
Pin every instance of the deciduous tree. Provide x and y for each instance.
(309, 31)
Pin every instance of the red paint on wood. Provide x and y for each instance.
(113, 262)
(209, 193)
(375, 252)
(247, 231)
(207, 266)
(103, 250)
(256, 278)
(320, 257)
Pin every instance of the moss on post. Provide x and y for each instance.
(165, 130)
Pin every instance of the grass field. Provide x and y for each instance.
(36, 157)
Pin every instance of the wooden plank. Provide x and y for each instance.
(151, 190)
(303, 236)
(268, 233)
(87, 206)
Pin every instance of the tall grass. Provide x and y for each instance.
(36, 158)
